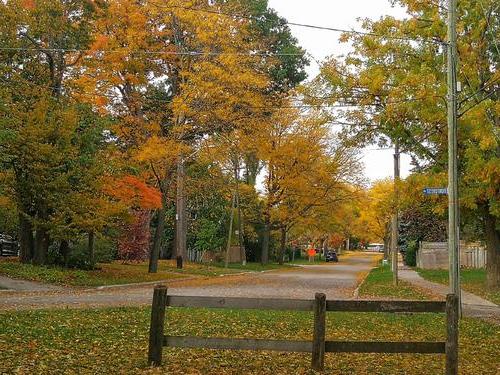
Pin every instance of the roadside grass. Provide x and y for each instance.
(107, 274)
(472, 280)
(117, 273)
(379, 284)
(115, 341)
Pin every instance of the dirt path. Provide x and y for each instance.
(335, 280)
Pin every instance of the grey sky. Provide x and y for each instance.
(321, 44)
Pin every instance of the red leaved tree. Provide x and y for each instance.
(133, 244)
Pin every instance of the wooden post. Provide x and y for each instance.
(179, 262)
(318, 343)
(157, 325)
(452, 334)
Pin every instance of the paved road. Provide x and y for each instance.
(23, 285)
(335, 280)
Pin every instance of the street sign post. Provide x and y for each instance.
(436, 191)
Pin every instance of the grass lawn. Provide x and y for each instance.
(118, 273)
(115, 341)
(108, 274)
(379, 284)
(472, 280)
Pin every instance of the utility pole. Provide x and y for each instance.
(453, 230)
(180, 216)
(395, 217)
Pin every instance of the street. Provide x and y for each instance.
(337, 281)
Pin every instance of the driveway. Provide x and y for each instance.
(337, 281)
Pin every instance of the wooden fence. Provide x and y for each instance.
(434, 255)
(319, 345)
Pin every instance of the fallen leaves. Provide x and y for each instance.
(115, 341)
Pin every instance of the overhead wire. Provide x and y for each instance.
(149, 52)
(310, 26)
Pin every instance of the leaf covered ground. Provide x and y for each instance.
(115, 341)
(119, 273)
(472, 280)
(379, 284)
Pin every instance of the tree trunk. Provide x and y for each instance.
(157, 241)
(64, 251)
(41, 246)
(230, 233)
(90, 248)
(493, 250)
(243, 255)
(387, 241)
(386, 247)
(181, 219)
(264, 259)
(26, 239)
(282, 245)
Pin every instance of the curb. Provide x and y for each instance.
(132, 285)
(171, 281)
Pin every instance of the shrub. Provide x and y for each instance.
(410, 256)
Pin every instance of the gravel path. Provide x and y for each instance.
(335, 280)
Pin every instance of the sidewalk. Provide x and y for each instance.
(472, 305)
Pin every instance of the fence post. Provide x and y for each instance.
(157, 325)
(318, 343)
(452, 334)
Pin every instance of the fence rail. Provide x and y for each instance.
(319, 345)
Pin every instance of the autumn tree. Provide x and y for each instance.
(377, 212)
(303, 171)
(393, 88)
(50, 151)
(57, 151)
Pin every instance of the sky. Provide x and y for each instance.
(321, 44)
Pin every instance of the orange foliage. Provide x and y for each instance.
(29, 4)
(336, 240)
(134, 192)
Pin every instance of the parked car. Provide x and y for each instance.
(331, 256)
(378, 247)
(8, 246)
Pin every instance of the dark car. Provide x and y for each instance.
(331, 256)
(8, 246)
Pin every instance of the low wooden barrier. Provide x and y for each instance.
(318, 346)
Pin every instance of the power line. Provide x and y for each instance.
(168, 101)
(317, 27)
(149, 52)
(486, 16)
(297, 106)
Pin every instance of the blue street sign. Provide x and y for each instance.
(436, 191)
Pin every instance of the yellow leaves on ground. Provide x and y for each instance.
(62, 341)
